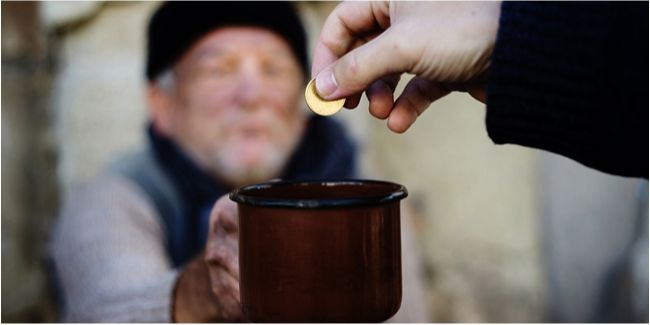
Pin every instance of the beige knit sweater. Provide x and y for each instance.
(108, 249)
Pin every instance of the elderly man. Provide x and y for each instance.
(225, 83)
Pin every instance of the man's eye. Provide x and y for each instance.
(219, 70)
(274, 71)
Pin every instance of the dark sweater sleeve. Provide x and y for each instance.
(570, 78)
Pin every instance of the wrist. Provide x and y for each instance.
(192, 298)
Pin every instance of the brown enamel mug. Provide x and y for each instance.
(320, 251)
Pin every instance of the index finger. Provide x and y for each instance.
(348, 22)
(224, 215)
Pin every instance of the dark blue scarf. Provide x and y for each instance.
(325, 152)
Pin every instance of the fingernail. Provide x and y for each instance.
(325, 83)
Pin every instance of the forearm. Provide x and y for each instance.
(149, 302)
(570, 78)
(109, 258)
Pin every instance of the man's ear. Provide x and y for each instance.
(160, 109)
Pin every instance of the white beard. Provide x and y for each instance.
(231, 169)
(246, 158)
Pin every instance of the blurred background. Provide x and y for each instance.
(506, 233)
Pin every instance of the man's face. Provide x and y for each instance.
(234, 105)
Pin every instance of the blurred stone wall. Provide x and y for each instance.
(595, 229)
(98, 89)
(478, 208)
(29, 183)
(494, 223)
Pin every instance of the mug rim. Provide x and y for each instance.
(239, 195)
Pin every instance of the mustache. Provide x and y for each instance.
(262, 118)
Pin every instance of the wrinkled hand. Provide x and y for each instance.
(366, 46)
(222, 258)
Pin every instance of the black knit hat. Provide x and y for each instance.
(175, 26)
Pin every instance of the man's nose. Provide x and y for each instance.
(250, 85)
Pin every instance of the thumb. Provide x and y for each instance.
(354, 72)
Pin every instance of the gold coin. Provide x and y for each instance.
(321, 106)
